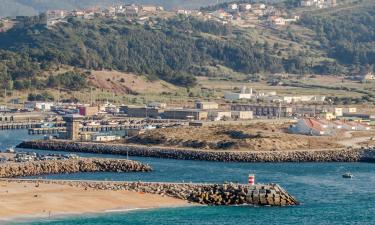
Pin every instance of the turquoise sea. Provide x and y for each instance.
(326, 197)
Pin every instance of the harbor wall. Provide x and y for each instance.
(206, 194)
(37, 168)
(334, 155)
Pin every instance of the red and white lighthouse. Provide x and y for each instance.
(251, 179)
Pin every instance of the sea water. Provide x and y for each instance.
(326, 197)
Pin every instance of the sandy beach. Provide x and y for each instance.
(19, 200)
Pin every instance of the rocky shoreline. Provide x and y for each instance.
(206, 194)
(36, 168)
(336, 155)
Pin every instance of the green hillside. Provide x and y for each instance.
(336, 41)
(174, 50)
(347, 33)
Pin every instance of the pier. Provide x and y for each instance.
(205, 194)
(324, 155)
(125, 125)
(17, 126)
(28, 125)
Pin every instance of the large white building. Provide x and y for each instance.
(244, 94)
(318, 3)
(294, 99)
(42, 106)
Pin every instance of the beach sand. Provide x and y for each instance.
(19, 200)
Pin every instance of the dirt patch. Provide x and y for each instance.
(126, 83)
(255, 137)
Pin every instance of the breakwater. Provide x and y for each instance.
(334, 155)
(36, 168)
(206, 194)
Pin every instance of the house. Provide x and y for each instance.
(217, 115)
(245, 7)
(356, 126)
(131, 10)
(349, 110)
(206, 105)
(318, 3)
(327, 115)
(309, 127)
(149, 8)
(242, 115)
(260, 6)
(278, 21)
(368, 76)
(104, 138)
(159, 105)
(78, 13)
(233, 7)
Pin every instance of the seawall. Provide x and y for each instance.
(206, 194)
(36, 168)
(336, 155)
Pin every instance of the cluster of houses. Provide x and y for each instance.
(271, 96)
(321, 127)
(5, 24)
(54, 17)
(201, 111)
(320, 4)
(366, 76)
(246, 14)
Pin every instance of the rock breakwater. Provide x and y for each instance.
(335, 155)
(36, 168)
(206, 194)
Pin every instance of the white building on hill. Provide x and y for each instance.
(244, 94)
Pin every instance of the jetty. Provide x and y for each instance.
(19, 125)
(120, 125)
(97, 128)
(325, 155)
(46, 167)
(205, 194)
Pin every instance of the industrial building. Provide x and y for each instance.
(22, 117)
(88, 110)
(318, 127)
(264, 110)
(219, 114)
(185, 114)
(141, 111)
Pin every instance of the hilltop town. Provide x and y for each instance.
(240, 14)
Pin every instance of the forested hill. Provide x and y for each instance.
(174, 50)
(180, 48)
(347, 34)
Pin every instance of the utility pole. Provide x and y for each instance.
(90, 96)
